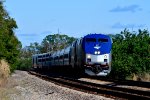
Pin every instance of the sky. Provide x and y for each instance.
(39, 18)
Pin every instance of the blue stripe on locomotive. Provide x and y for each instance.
(103, 47)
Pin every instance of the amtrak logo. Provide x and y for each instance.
(97, 47)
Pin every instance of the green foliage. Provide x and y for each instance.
(24, 64)
(131, 53)
(25, 57)
(9, 43)
(55, 42)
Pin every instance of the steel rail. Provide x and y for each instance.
(124, 82)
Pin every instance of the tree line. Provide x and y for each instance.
(50, 44)
(131, 53)
(9, 44)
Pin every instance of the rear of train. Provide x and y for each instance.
(97, 49)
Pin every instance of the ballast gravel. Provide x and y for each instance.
(23, 86)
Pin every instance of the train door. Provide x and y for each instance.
(73, 55)
(36, 62)
(33, 63)
(78, 53)
(49, 60)
(43, 61)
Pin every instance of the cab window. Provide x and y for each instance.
(90, 40)
(102, 40)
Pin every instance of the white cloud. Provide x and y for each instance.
(131, 8)
(122, 26)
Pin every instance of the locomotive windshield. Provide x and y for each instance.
(90, 40)
(102, 40)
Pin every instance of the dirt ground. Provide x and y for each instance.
(23, 86)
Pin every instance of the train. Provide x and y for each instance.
(91, 54)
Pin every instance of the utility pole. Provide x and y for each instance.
(58, 30)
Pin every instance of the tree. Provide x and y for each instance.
(55, 42)
(9, 43)
(131, 53)
(50, 43)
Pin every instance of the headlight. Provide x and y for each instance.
(105, 56)
(95, 52)
(88, 56)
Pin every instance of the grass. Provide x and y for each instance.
(141, 77)
(4, 71)
(3, 94)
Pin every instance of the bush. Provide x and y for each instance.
(24, 64)
(9, 44)
(130, 53)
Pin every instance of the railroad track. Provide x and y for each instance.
(123, 82)
(96, 88)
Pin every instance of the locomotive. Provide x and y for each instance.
(91, 54)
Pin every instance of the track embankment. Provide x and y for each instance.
(23, 86)
(108, 90)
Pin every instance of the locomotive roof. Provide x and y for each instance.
(95, 35)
